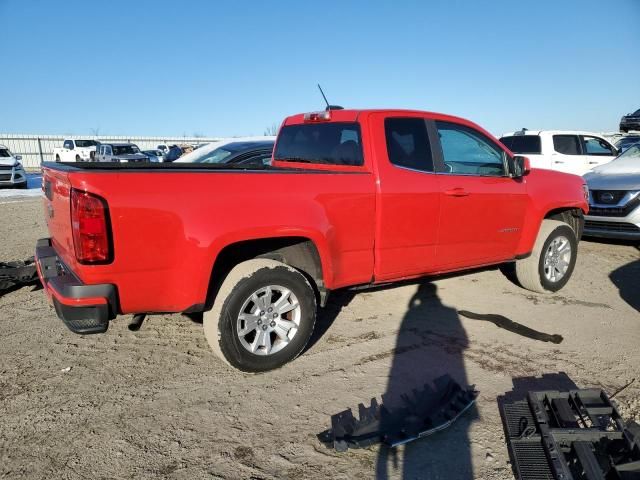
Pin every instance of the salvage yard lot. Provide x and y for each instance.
(158, 403)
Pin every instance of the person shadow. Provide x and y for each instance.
(627, 279)
(430, 344)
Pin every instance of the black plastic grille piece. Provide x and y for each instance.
(611, 226)
(531, 460)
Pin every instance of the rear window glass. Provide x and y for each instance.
(125, 149)
(336, 143)
(4, 153)
(522, 143)
(408, 143)
(566, 144)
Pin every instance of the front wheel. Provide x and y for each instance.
(263, 316)
(58, 158)
(551, 263)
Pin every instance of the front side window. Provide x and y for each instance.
(468, 152)
(522, 144)
(68, 144)
(335, 143)
(108, 150)
(597, 146)
(566, 144)
(408, 143)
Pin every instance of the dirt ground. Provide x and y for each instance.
(157, 404)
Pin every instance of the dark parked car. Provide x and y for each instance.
(239, 153)
(174, 153)
(119, 152)
(631, 121)
(627, 142)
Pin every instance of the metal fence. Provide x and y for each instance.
(39, 148)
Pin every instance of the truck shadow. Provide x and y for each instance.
(627, 279)
(430, 343)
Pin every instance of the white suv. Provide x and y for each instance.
(11, 172)
(566, 151)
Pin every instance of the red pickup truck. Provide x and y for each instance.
(352, 197)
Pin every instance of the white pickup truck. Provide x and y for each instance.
(565, 151)
(75, 151)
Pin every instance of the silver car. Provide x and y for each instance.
(614, 198)
(119, 152)
(12, 173)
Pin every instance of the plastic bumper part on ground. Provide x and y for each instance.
(83, 308)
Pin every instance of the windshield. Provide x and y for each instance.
(627, 141)
(125, 149)
(218, 155)
(632, 152)
(637, 112)
(4, 153)
(336, 143)
(86, 143)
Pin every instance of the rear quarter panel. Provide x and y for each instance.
(168, 227)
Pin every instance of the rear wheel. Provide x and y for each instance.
(263, 316)
(551, 263)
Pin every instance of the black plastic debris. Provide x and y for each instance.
(571, 435)
(17, 274)
(424, 412)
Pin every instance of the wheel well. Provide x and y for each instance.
(571, 216)
(297, 252)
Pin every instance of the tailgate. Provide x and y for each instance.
(57, 213)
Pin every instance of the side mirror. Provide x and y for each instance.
(521, 166)
(18, 157)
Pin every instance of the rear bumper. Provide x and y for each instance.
(83, 308)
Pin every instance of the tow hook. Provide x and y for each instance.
(136, 322)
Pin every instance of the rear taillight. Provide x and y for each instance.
(91, 229)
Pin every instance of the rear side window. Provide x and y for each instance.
(522, 144)
(408, 143)
(566, 144)
(335, 143)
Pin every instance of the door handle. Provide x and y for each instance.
(456, 192)
(592, 163)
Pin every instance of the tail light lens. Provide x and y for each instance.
(91, 228)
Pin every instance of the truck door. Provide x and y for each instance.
(482, 208)
(408, 200)
(567, 155)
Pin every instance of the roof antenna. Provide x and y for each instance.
(329, 107)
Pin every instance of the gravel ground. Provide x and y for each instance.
(156, 403)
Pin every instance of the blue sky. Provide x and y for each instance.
(186, 67)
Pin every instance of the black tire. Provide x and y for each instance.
(57, 158)
(624, 130)
(530, 272)
(22, 186)
(78, 159)
(221, 323)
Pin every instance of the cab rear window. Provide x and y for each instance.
(335, 143)
(522, 143)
